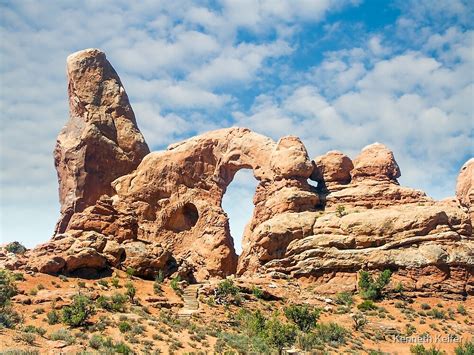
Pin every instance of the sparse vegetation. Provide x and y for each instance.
(78, 312)
(345, 299)
(303, 316)
(15, 248)
(64, 335)
(420, 349)
(341, 211)
(466, 348)
(130, 272)
(131, 291)
(52, 317)
(371, 289)
(8, 316)
(227, 293)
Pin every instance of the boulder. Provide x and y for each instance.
(375, 162)
(332, 169)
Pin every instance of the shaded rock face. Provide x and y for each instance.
(124, 208)
(101, 141)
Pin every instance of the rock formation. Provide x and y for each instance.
(124, 208)
(101, 141)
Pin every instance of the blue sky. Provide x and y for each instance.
(339, 74)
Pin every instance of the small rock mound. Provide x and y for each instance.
(375, 162)
(332, 169)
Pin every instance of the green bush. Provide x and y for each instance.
(15, 248)
(115, 282)
(174, 284)
(122, 348)
(367, 305)
(52, 317)
(420, 349)
(372, 289)
(33, 329)
(278, 334)
(344, 298)
(64, 335)
(307, 341)
(465, 349)
(131, 291)
(303, 316)
(257, 292)
(461, 309)
(78, 312)
(252, 323)
(115, 303)
(96, 341)
(425, 306)
(331, 333)
(28, 338)
(130, 271)
(437, 313)
(8, 317)
(124, 326)
(227, 292)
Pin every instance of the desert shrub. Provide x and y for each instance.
(115, 282)
(40, 287)
(96, 341)
(78, 312)
(367, 305)
(466, 348)
(33, 329)
(160, 277)
(18, 276)
(8, 317)
(420, 349)
(33, 292)
(372, 289)
(307, 341)
(122, 348)
(64, 335)
(15, 248)
(344, 298)
(461, 309)
(227, 292)
(81, 284)
(115, 303)
(278, 334)
(303, 316)
(257, 292)
(341, 211)
(244, 344)
(130, 271)
(28, 338)
(103, 283)
(425, 306)
(52, 317)
(331, 333)
(174, 284)
(7, 288)
(124, 326)
(131, 291)
(437, 313)
(157, 284)
(63, 278)
(359, 320)
(252, 323)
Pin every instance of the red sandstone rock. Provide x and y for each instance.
(164, 212)
(375, 162)
(332, 168)
(101, 141)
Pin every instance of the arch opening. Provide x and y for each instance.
(183, 219)
(237, 202)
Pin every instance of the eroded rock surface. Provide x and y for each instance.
(124, 208)
(101, 140)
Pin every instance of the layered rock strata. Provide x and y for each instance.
(126, 208)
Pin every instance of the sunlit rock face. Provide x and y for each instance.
(123, 207)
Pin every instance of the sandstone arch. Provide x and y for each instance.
(198, 171)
